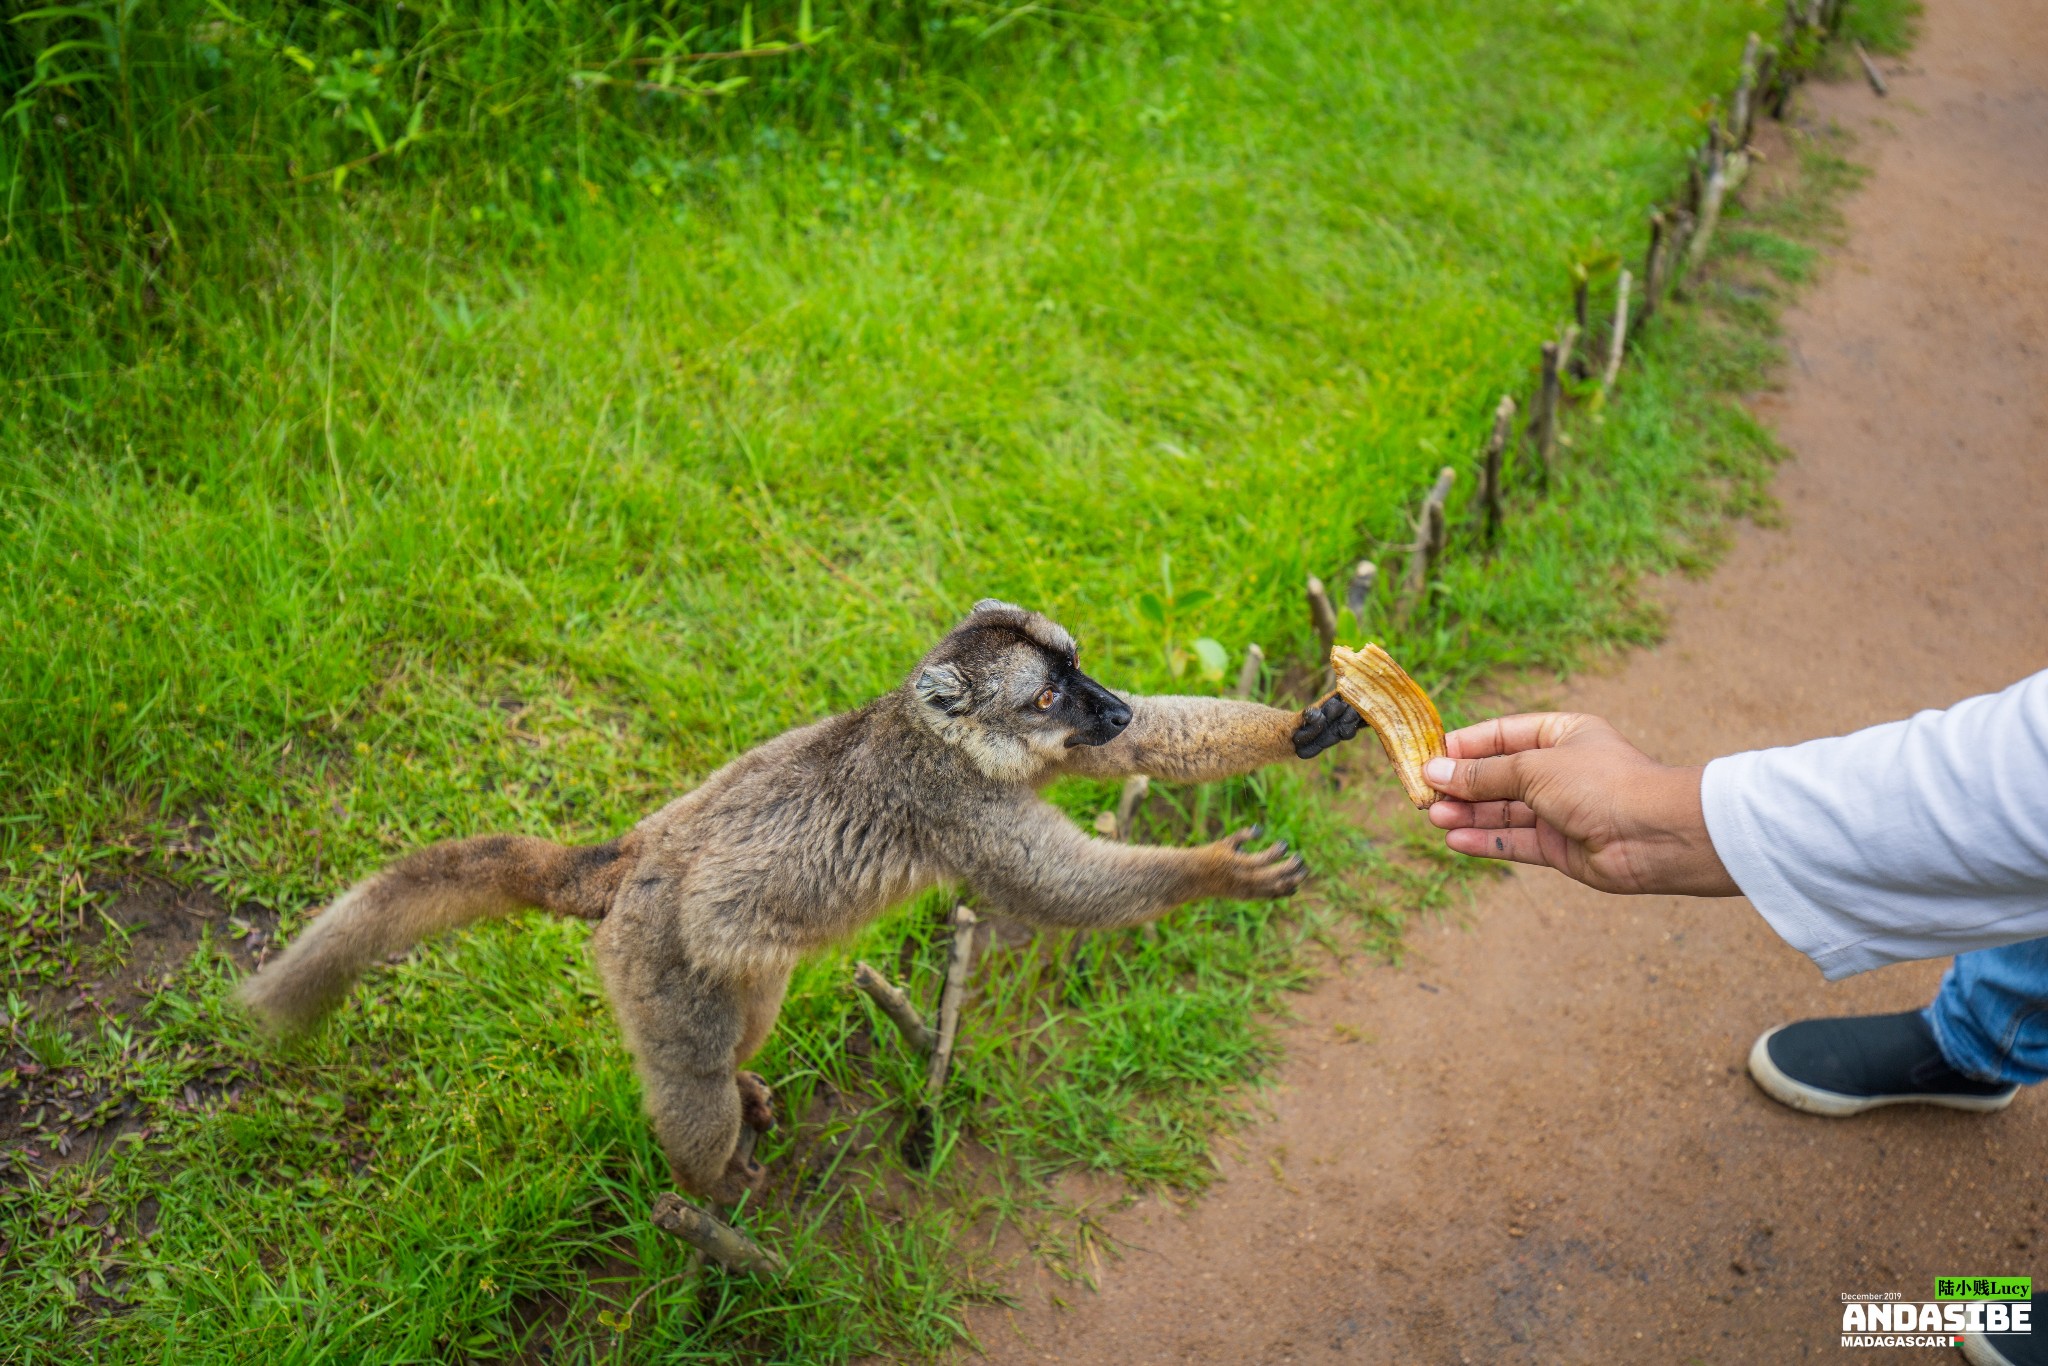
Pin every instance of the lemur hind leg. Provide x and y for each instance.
(684, 1027)
(763, 1002)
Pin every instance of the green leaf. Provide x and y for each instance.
(1194, 597)
(1150, 608)
(1215, 659)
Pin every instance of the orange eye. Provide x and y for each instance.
(1047, 698)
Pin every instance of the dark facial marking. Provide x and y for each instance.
(1094, 714)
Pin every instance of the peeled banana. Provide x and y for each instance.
(1399, 712)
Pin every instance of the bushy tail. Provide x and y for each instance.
(436, 889)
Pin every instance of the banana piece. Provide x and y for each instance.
(1399, 712)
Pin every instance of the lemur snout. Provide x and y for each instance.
(1107, 714)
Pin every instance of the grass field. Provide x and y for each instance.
(576, 436)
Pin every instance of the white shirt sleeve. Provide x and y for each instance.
(1916, 839)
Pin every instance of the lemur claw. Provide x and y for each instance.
(757, 1102)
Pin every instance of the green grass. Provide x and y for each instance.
(548, 462)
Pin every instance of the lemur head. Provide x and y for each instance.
(1004, 687)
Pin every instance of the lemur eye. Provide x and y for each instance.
(1047, 698)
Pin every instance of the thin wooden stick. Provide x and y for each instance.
(949, 1004)
(1651, 282)
(1429, 541)
(1487, 511)
(1870, 71)
(1543, 421)
(1730, 168)
(1618, 338)
(1671, 272)
(1127, 804)
(718, 1241)
(1566, 344)
(1358, 593)
(1581, 289)
(1248, 676)
(1322, 614)
(1739, 109)
(896, 1005)
(918, 1142)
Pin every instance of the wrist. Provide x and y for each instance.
(1679, 854)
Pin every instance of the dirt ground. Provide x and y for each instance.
(1542, 1146)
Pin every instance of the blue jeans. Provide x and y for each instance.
(1991, 1015)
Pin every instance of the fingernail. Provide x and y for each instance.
(1439, 770)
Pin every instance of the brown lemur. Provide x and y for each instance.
(704, 906)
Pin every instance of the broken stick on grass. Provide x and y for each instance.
(719, 1242)
(892, 1002)
(1870, 71)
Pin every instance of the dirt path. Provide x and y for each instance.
(1544, 1148)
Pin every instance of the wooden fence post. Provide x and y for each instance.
(1740, 114)
(1488, 509)
(1248, 676)
(1322, 615)
(1358, 593)
(1619, 336)
(918, 1143)
(1651, 259)
(1542, 429)
(1429, 541)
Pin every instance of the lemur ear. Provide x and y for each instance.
(941, 686)
(993, 605)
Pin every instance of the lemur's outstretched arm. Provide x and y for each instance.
(1200, 739)
(1045, 870)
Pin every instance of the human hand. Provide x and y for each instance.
(1568, 792)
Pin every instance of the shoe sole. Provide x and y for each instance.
(1782, 1087)
(1978, 1352)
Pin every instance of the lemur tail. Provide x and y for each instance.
(438, 888)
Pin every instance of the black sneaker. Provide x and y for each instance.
(1848, 1065)
(2009, 1349)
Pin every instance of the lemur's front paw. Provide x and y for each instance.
(757, 1102)
(1257, 875)
(1330, 722)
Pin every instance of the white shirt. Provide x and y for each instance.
(1915, 839)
